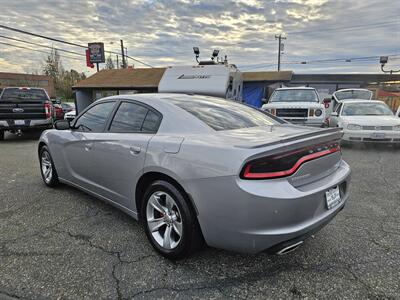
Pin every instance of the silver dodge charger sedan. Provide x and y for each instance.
(197, 168)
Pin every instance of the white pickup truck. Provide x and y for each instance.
(297, 105)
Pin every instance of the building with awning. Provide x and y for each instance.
(146, 80)
(256, 85)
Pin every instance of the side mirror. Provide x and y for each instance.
(264, 101)
(334, 114)
(327, 100)
(62, 125)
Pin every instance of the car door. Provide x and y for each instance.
(120, 151)
(79, 146)
(334, 119)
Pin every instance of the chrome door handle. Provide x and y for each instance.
(88, 146)
(135, 149)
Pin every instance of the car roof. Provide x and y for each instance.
(362, 101)
(164, 98)
(295, 88)
(355, 89)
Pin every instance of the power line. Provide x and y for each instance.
(66, 42)
(341, 59)
(39, 45)
(46, 52)
(41, 36)
(347, 28)
(365, 59)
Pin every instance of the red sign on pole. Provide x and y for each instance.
(88, 63)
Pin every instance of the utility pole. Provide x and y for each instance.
(117, 62)
(280, 46)
(123, 55)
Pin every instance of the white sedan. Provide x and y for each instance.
(70, 115)
(366, 121)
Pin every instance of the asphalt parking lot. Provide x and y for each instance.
(63, 244)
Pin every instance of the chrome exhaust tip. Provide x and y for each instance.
(289, 248)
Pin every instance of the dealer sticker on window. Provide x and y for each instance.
(333, 197)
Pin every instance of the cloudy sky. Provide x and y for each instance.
(163, 32)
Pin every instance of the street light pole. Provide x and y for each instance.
(123, 55)
(280, 38)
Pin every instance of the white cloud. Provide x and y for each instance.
(163, 32)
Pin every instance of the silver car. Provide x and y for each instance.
(197, 168)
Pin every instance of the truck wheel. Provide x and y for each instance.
(47, 168)
(1, 135)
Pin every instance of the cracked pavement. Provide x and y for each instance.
(64, 244)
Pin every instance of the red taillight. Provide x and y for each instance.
(47, 110)
(286, 164)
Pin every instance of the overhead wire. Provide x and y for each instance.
(37, 50)
(40, 45)
(66, 42)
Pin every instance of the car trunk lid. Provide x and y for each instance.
(302, 154)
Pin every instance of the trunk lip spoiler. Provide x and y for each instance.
(335, 133)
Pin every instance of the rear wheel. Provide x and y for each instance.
(47, 169)
(1, 135)
(169, 222)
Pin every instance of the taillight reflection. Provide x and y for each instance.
(47, 110)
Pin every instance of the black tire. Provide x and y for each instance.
(191, 238)
(51, 181)
(1, 135)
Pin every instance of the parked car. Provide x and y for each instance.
(352, 94)
(58, 112)
(344, 95)
(366, 121)
(23, 108)
(67, 106)
(194, 167)
(297, 105)
(70, 116)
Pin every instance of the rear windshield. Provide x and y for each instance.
(224, 114)
(294, 95)
(354, 94)
(24, 94)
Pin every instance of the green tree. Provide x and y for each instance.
(53, 66)
(63, 80)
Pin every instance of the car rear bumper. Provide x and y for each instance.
(253, 216)
(380, 136)
(28, 124)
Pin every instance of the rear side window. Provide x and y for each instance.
(132, 117)
(151, 122)
(223, 114)
(24, 94)
(95, 118)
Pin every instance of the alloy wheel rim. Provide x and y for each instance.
(164, 220)
(47, 169)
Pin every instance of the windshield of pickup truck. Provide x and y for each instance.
(353, 94)
(295, 95)
(23, 94)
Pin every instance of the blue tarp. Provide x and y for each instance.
(252, 94)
